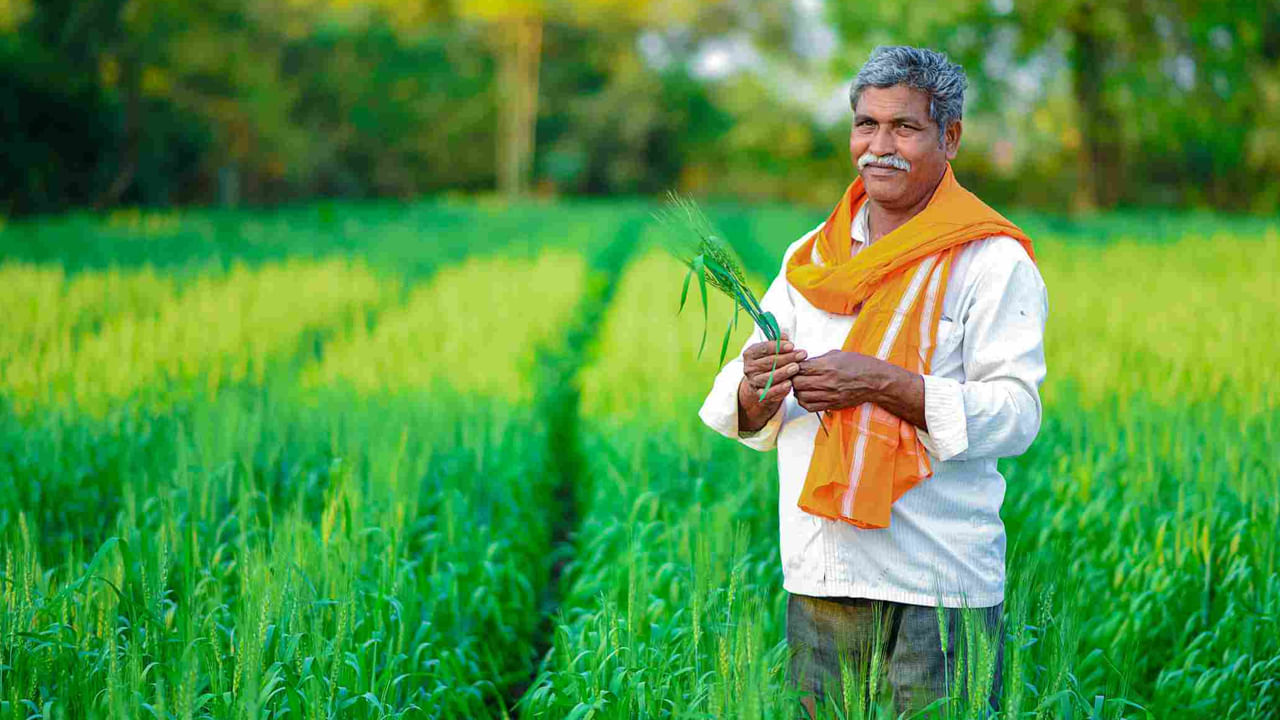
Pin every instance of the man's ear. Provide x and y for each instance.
(952, 139)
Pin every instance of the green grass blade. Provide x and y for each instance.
(684, 293)
(728, 330)
(702, 284)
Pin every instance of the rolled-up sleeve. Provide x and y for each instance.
(720, 408)
(995, 412)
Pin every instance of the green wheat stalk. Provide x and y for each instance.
(694, 241)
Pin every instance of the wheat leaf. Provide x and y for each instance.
(724, 344)
(694, 241)
(702, 283)
(684, 293)
(774, 332)
(742, 304)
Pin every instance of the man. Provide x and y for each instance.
(913, 320)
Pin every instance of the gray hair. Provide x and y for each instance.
(920, 68)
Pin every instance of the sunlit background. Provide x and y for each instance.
(1072, 105)
(341, 374)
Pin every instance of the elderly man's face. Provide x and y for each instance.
(895, 122)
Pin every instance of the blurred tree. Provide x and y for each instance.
(610, 123)
(1151, 81)
(74, 113)
(1211, 127)
(52, 145)
(13, 13)
(419, 117)
(149, 101)
(711, 98)
(92, 38)
(283, 98)
(517, 36)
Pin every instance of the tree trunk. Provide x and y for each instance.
(131, 73)
(1099, 157)
(519, 55)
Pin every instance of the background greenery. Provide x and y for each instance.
(1075, 104)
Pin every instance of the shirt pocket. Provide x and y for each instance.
(948, 337)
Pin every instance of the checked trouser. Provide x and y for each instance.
(902, 644)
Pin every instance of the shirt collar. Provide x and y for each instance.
(859, 230)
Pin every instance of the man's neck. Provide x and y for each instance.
(883, 220)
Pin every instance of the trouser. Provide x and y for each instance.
(892, 653)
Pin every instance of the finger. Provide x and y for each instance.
(777, 393)
(791, 357)
(766, 348)
(784, 372)
(820, 401)
(767, 363)
(812, 381)
(812, 366)
(813, 400)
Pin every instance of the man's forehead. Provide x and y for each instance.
(898, 100)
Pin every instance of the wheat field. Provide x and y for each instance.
(442, 460)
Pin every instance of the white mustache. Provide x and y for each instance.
(890, 161)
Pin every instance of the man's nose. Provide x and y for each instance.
(882, 142)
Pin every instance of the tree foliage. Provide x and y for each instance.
(1153, 101)
(1074, 103)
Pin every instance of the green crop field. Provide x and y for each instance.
(443, 460)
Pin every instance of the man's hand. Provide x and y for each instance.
(757, 361)
(840, 379)
(837, 379)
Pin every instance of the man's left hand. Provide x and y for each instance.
(838, 379)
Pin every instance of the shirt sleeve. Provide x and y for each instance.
(720, 408)
(995, 412)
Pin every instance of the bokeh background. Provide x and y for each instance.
(1074, 104)
(341, 374)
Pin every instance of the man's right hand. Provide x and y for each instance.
(757, 361)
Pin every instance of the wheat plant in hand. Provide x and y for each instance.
(692, 239)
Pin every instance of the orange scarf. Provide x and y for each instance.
(870, 458)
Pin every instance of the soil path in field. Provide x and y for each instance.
(557, 398)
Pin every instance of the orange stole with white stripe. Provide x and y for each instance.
(869, 457)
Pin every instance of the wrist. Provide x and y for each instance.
(749, 408)
(901, 392)
(880, 384)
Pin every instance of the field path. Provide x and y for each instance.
(557, 397)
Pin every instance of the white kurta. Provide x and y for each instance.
(945, 541)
